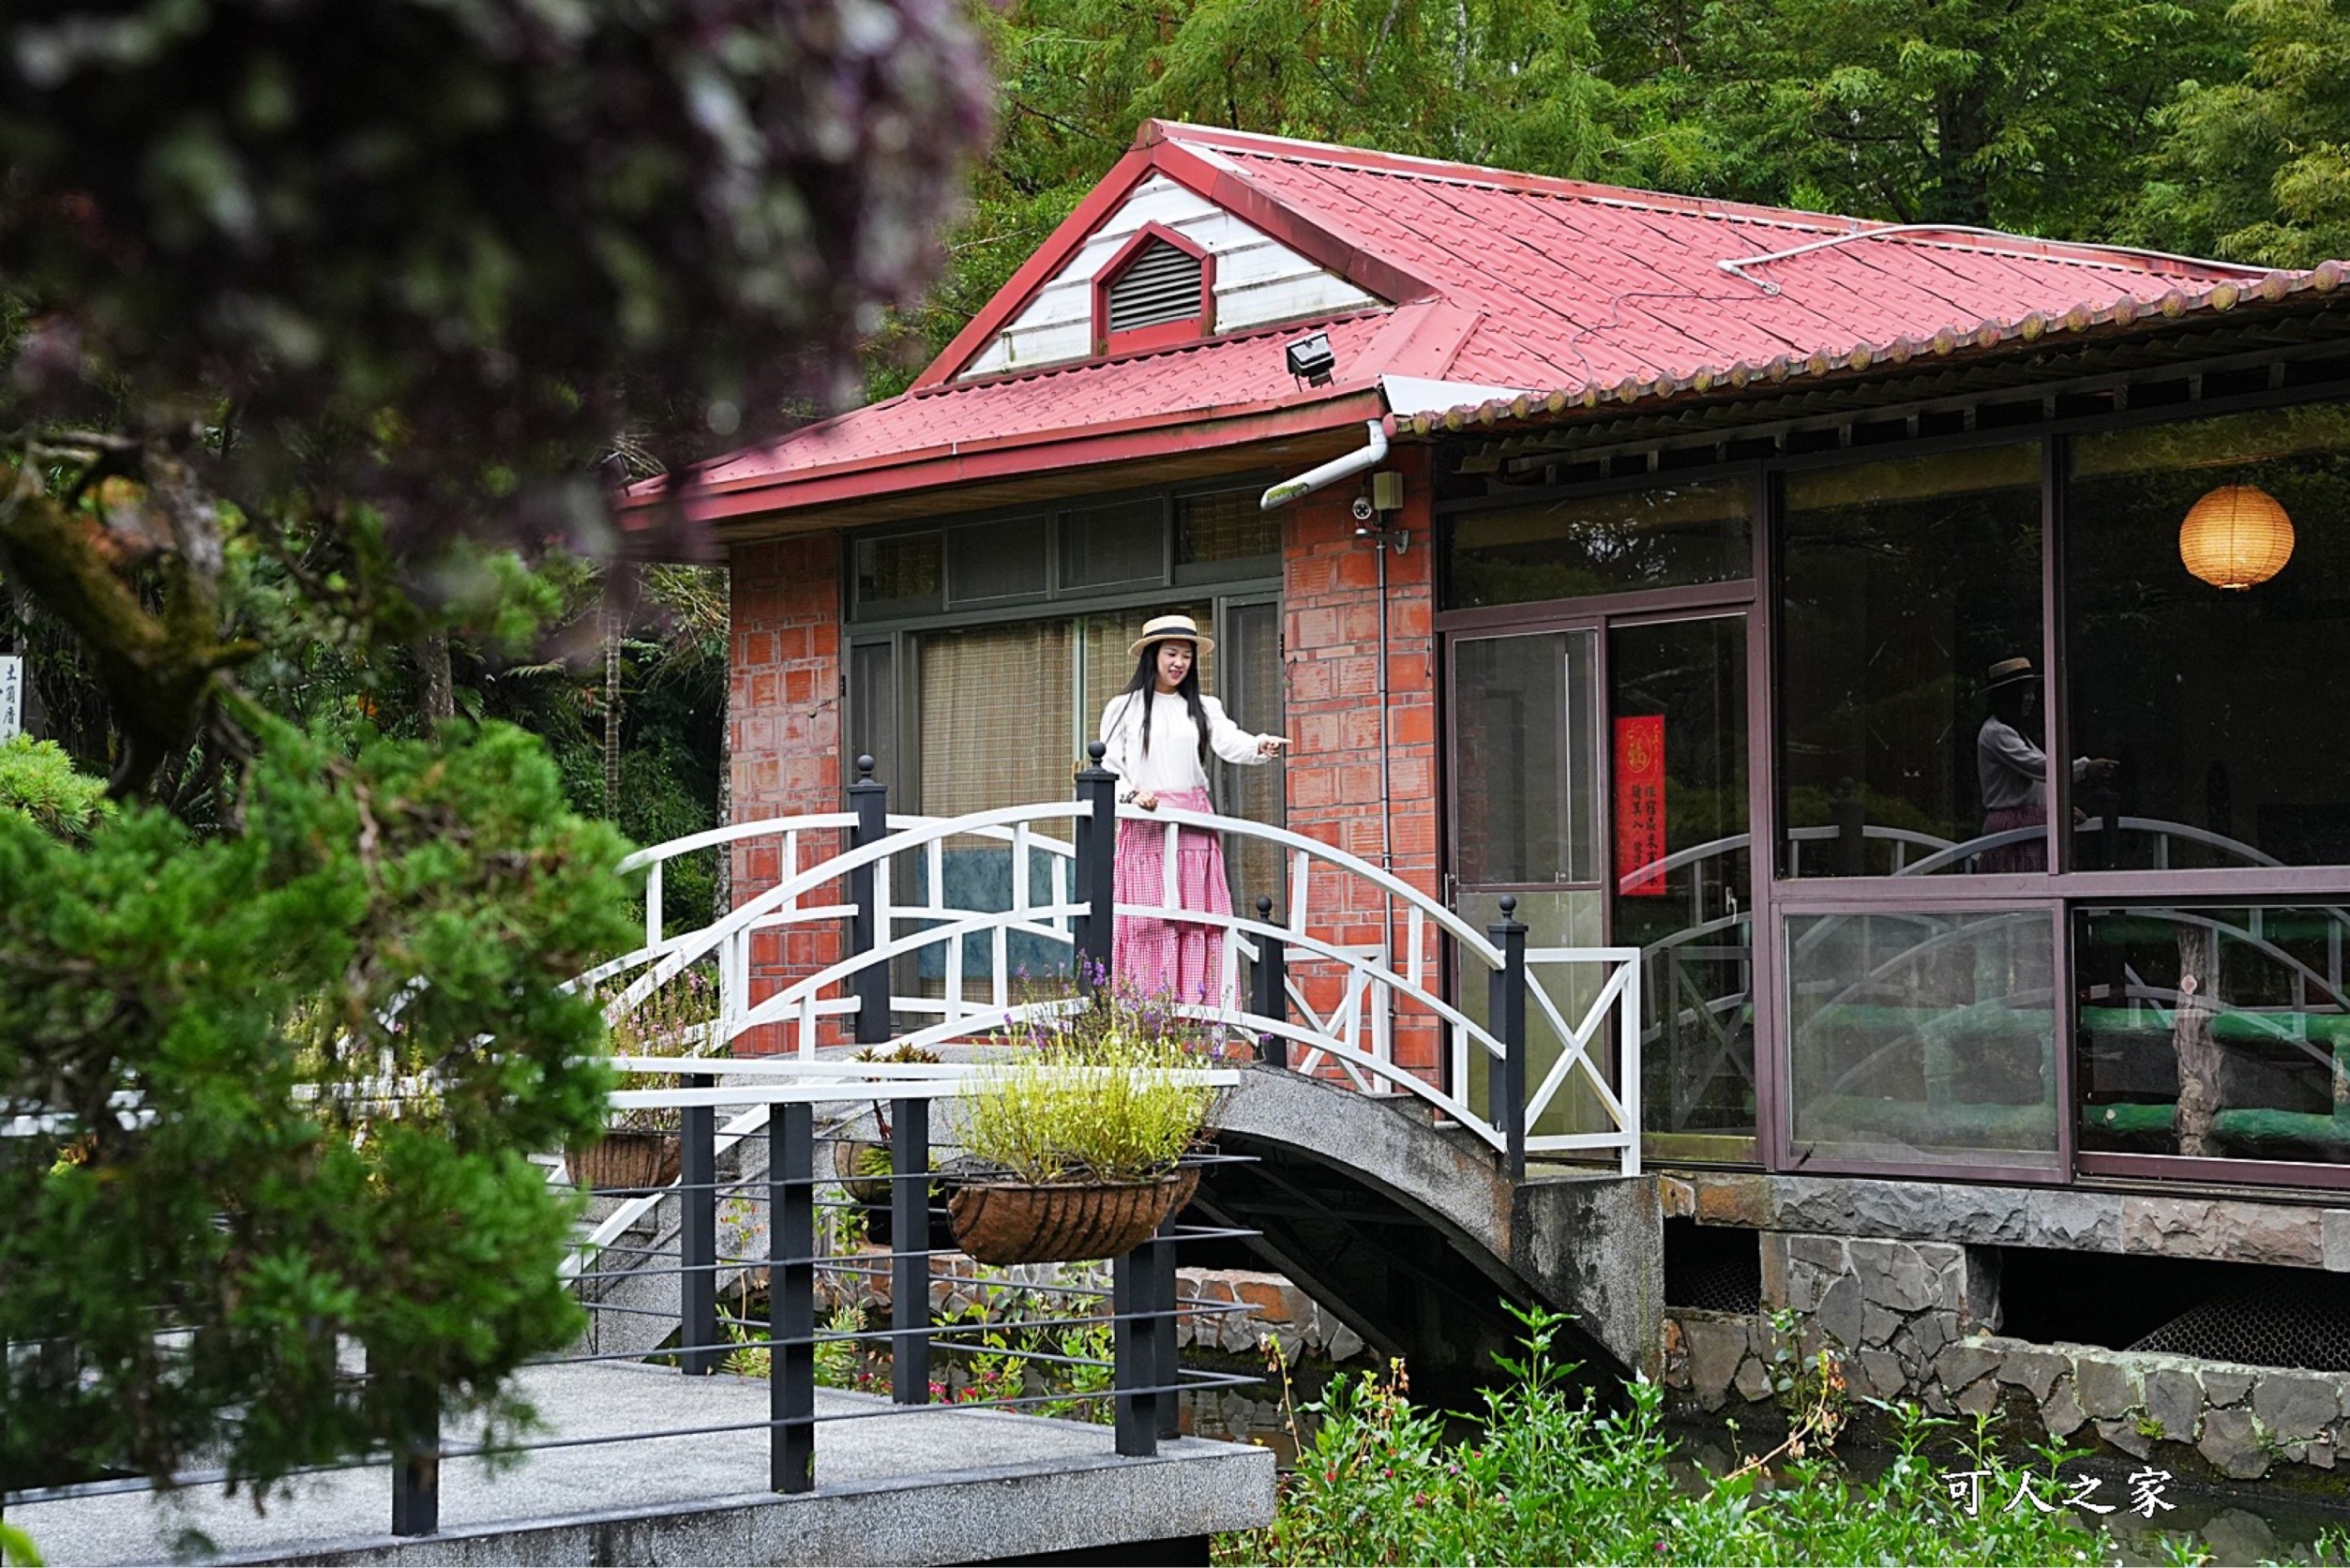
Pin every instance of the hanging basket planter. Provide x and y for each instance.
(625, 1159)
(1012, 1222)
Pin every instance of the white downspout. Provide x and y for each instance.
(1331, 472)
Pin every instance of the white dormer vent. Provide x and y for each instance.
(1159, 286)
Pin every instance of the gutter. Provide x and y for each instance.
(1331, 472)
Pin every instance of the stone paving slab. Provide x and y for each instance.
(934, 1485)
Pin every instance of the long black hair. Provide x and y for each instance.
(1146, 685)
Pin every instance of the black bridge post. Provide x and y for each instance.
(1167, 1369)
(871, 801)
(1271, 987)
(791, 1298)
(910, 1253)
(1097, 867)
(1134, 1354)
(1505, 1015)
(698, 1234)
(416, 1456)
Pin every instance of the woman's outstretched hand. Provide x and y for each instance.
(1147, 799)
(1271, 746)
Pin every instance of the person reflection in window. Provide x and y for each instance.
(2013, 770)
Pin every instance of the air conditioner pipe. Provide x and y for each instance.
(1331, 472)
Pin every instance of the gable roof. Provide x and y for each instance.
(1488, 289)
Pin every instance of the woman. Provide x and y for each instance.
(2011, 771)
(1156, 735)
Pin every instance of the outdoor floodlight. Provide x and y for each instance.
(1310, 359)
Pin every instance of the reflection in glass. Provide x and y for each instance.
(1905, 584)
(897, 573)
(1918, 1038)
(1681, 875)
(1660, 538)
(2214, 1033)
(2213, 703)
(1526, 763)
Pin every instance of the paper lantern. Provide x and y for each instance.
(2236, 536)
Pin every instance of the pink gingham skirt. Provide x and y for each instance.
(1172, 957)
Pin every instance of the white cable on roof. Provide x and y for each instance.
(1738, 268)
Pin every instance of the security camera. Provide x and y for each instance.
(1362, 509)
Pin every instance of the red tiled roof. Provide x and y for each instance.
(1570, 291)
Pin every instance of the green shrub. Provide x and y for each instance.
(1111, 1107)
(37, 782)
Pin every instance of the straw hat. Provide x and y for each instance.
(1169, 628)
(2008, 672)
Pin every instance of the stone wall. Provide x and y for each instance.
(1918, 1321)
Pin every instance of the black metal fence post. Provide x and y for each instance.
(698, 1234)
(871, 801)
(416, 1459)
(910, 1253)
(1134, 1355)
(1098, 867)
(1167, 1367)
(1505, 1015)
(791, 1298)
(1271, 997)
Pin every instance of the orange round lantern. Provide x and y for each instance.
(2236, 536)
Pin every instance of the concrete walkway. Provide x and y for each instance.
(933, 1485)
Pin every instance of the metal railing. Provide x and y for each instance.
(720, 1323)
(845, 867)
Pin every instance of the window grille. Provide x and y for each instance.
(1160, 285)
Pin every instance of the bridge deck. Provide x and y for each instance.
(935, 1485)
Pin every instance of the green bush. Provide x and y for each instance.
(1557, 1479)
(37, 782)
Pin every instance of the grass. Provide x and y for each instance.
(1554, 1478)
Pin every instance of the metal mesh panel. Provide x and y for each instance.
(2299, 1325)
(1161, 284)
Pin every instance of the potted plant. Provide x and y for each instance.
(863, 1165)
(641, 1147)
(1087, 1132)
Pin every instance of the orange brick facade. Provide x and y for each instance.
(784, 730)
(1330, 653)
(786, 725)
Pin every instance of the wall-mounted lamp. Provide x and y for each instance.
(2236, 536)
(1311, 360)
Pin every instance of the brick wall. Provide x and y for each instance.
(785, 736)
(1330, 602)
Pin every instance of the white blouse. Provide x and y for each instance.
(1173, 761)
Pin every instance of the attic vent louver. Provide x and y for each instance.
(1159, 286)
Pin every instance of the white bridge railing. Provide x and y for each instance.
(943, 913)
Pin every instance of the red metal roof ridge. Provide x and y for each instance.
(2274, 288)
(1099, 362)
(1794, 219)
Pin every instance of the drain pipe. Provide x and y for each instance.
(1369, 456)
(1331, 472)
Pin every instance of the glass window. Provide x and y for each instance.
(1004, 560)
(873, 710)
(1923, 1038)
(2199, 712)
(1665, 536)
(1225, 534)
(1909, 731)
(897, 574)
(1119, 544)
(2214, 1033)
(1526, 774)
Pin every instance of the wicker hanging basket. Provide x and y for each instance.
(625, 1159)
(1012, 1222)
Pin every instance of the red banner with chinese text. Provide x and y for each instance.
(1639, 805)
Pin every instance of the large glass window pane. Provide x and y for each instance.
(1906, 588)
(1224, 534)
(873, 709)
(2214, 1033)
(1681, 887)
(1003, 560)
(1923, 1038)
(2213, 704)
(1525, 762)
(1119, 544)
(897, 574)
(1665, 536)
